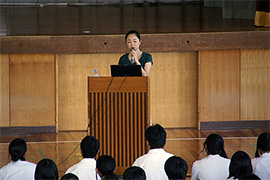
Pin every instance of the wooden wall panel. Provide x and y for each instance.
(219, 85)
(32, 89)
(173, 89)
(73, 70)
(255, 84)
(4, 90)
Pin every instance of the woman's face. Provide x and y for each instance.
(133, 42)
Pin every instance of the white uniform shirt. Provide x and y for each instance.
(85, 169)
(262, 166)
(212, 167)
(22, 170)
(153, 164)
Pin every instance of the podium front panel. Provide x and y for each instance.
(118, 117)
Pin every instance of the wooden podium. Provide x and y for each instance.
(118, 117)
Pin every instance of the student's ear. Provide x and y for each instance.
(260, 152)
(82, 154)
(114, 169)
(147, 143)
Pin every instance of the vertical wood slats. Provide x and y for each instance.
(118, 117)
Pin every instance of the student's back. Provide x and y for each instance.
(85, 169)
(261, 164)
(18, 168)
(216, 165)
(153, 162)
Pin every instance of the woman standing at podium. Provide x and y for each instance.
(136, 56)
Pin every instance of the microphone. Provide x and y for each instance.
(132, 57)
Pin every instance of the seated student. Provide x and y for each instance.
(240, 167)
(69, 176)
(153, 162)
(85, 169)
(176, 168)
(106, 166)
(216, 164)
(134, 173)
(261, 164)
(46, 169)
(18, 168)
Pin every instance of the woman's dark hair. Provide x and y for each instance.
(106, 166)
(156, 136)
(176, 168)
(134, 172)
(46, 169)
(133, 32)
(263, 143)
(215, 145)
(240, 166)
(17, 148)
(69, 176)
(89, 146)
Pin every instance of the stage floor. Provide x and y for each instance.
(117, 19)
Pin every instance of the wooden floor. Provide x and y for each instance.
(186, 143)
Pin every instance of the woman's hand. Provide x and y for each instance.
(136, 55)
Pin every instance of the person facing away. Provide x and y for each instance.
(240, 167)
(261, 164)
(134, 173)
(176, 168)
(18, 168)
(106, 167)
(46, 169)
(135, 55)
(216, 164)
(153, 162)
(85, 169)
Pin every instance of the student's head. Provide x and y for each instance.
(69, 176)
(263, 144)
(106, 166)
(17, 148)
(240, 165)
(89, 147)
(134, 173)
(156, 136)
(176, 168)
(46, 169)
(214, 144)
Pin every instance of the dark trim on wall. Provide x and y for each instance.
(170, 42)
(231, 125)
(27, 130)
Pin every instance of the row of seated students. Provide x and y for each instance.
(157, 164)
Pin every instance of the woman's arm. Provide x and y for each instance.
(146, 69)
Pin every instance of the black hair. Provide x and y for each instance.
(133, 32)
(134, 172)
(17, 148)
(240, 165)
(263, 143)
(176, 168)
(46, 169)
(106, 166)
(69, 176)
(89, 146)
(156, 136)
(215, 145)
